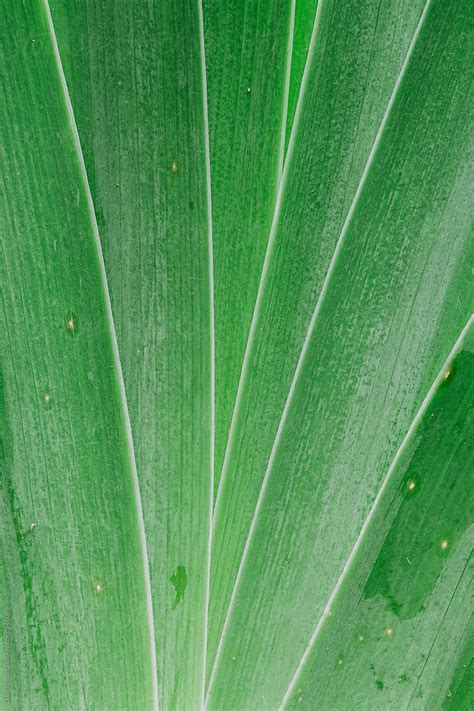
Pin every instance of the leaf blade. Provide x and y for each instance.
(305, 15)
(246, 62)
(136, 81)
(327, 430)
(63, 525)
(404, 559)
(310, 213)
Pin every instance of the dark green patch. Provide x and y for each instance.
(99, 216)
(429, 514)
(14, 521)
(180, 582)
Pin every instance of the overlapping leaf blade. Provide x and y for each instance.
(349, 81)
(395, 303)
(305, 13)
(363, 291)
(247, 61)
(399, 628)
(135, 72)
(71, 551)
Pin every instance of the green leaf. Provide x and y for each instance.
(297, 171)
(247, 61)
(398, 627)
(459, 695)
(305, 13)
(72, 550)
(339, 364)
(350, 75)
(135, 73)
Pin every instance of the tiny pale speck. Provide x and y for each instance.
(98, 587)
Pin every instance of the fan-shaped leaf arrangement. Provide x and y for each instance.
(237, 355)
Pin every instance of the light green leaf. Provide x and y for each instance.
(72, 552)
(398, 627)
(135, 72)
(393, 302)
(247, 60)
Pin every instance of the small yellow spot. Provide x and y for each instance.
(411, 485)
(360, 638)
(32, 526)
(389, 631)
(339, 662)
(174, 166)
(444, 544)
(46, 398)
(249, 90)
(70, 324)
(447, 373)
